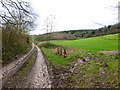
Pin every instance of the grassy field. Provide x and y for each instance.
(96, 74)
(100, 71)
(101, 43)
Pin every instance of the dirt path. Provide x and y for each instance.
(13, 67)
(38, 77)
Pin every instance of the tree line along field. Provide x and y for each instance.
(105, 43)
(78, 34)
(84, 66)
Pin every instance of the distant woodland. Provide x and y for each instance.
(77, 34)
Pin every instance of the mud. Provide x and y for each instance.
(38, 77)
(12, 68)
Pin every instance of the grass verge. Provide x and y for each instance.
(58, 61)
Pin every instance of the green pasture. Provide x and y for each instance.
(89, 72)
(105, 43)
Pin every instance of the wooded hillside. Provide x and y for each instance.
(77, 34)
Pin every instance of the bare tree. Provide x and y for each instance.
(18, 14)
(49, 25)
(17, 18)
(105, 28)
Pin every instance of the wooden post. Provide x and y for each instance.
(65, 54)
(57, 50)
(60, 51)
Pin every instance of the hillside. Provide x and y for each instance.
(77, 34)
(107, 42)
(79, 64)
(74, 31)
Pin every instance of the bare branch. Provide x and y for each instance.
(19, 14)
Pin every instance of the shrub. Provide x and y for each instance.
(14, 43)
(48, 45)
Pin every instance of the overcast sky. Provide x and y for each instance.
(75, 14)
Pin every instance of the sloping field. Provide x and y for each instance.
(101, 43)
(83, 68)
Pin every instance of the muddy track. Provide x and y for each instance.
(10, 69)
(38, 77)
